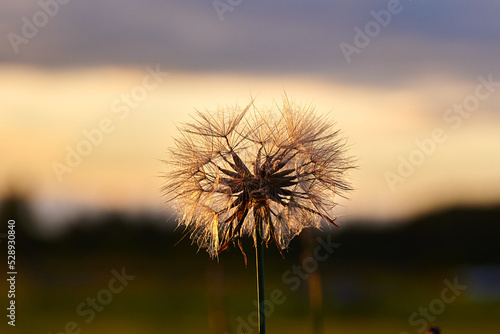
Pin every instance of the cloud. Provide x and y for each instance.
(277, 37)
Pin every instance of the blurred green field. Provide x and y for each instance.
(373, 282)
(196, 295)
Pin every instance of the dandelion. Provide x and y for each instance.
(266, 173)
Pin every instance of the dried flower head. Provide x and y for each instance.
(245, 171)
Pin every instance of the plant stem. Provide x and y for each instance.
(259, 247)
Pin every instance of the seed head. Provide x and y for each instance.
(234, 168)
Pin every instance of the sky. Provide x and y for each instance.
(91, 92)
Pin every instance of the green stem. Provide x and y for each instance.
(260, 274)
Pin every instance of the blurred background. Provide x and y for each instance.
(90, 96)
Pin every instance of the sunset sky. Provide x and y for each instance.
(413, 85)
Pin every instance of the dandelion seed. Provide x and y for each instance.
(235, 166)
(267, 174)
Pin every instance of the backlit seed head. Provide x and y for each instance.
(234, 167)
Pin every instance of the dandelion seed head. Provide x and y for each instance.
(282, 167)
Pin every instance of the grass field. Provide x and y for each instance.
(196, 295)
(126, 276)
